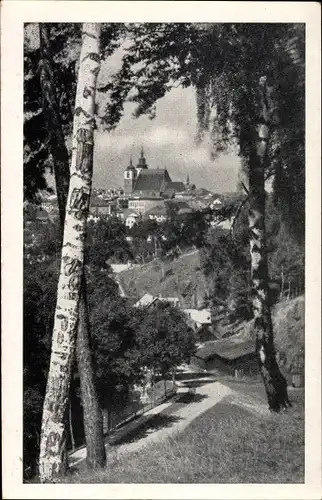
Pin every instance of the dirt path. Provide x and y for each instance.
(174, 418)
(162, 421)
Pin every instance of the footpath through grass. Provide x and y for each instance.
(227, 444)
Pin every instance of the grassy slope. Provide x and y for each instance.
(182, 277)
(227, 444)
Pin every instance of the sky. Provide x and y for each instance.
(168, 140)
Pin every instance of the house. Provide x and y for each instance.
(152, 182)
(131, 218)
(228, 357)
(99, 206)
(216, 204)
(205, 333)
(171, 189)
(145, 301)
(183, 195)
(142, 181)
(159, 213)
(142, 204)
(162, 212)
(92, 218)
(148, 300)
(198, 317)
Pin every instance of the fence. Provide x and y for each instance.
(135, 407)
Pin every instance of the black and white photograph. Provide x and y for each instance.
(164, 253)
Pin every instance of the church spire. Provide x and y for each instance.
(188, 180)
(142, 160)
(131, 166)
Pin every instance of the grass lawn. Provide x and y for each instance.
(227, 444)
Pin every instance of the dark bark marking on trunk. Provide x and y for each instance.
(274, 382)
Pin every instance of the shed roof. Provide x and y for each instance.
(148, 299)
(202, 316)
(145, 301)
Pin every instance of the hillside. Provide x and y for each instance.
(288, 323)
(234, 441)
(181, 277)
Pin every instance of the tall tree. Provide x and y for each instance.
(240, 73)
(93, 421)
(52, 447)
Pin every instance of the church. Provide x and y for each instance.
(146, 187)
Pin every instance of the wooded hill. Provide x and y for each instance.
(181, 277)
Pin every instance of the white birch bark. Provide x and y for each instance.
(274, 382)
(52, 446)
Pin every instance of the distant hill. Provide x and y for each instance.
(180, 278)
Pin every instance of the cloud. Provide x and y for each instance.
(168, 141)
(167, 136)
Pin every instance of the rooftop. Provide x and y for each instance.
(152, 181)
(149, 299)
(202, 316)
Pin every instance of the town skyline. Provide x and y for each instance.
(169, 142)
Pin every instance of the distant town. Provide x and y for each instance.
(148, 192)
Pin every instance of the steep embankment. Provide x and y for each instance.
(181, 277)
(288, 323)
(289, 326)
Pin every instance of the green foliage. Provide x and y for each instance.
(167, 239)
(117, 359)
(65, 41)
(106, 241)
(37, 157)
(226, 262)
(286, 253)
(39, 298)
(227, 64)
(163, 338)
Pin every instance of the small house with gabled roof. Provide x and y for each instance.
(228, 356)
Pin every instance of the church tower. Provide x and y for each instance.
(130, 176)
(142, 162)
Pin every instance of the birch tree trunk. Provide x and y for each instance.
(72, 259)
(274, 381)
(93, 421)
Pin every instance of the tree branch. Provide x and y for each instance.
(243, 202)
